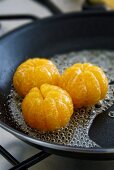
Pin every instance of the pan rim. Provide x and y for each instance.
(55, 146)
(98, 151)
(55, 18)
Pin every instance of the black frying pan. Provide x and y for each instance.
(47, 37)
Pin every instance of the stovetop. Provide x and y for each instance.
(17, 148)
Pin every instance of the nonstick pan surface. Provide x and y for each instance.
(47, 37)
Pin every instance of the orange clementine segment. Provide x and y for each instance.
(77, 90)
(103, 81)
(34, 73)
(48, 108)
(35, 95)
(93, 89)
(86, 83)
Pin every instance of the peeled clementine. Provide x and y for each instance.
(34, 73)
(86, 84)
(48, 108)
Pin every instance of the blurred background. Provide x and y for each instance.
(36, 7)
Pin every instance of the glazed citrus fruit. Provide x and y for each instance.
(34, 73)
(86, 84)
(48, 108)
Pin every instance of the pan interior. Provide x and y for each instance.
(76, 133)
